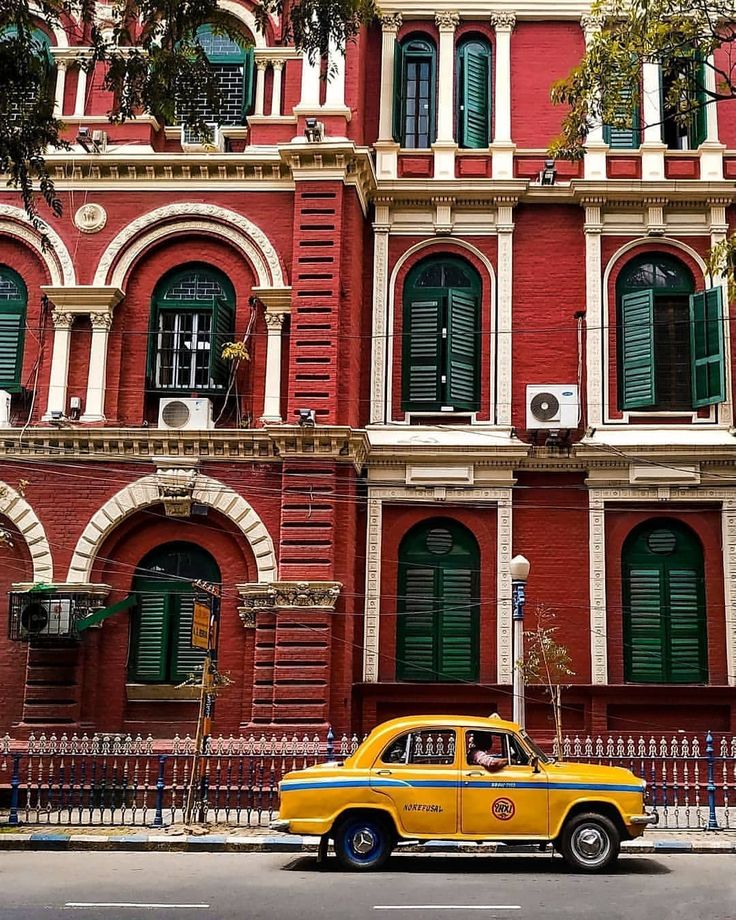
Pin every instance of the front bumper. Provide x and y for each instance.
(644, 819)
(280, 824)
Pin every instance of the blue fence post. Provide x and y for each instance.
(15, 791)
(709, 753)
(158, 821)
(330, 744)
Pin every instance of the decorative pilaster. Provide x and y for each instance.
(94, 404)
(272, 394)
(335, 89)
(445, 146)
(504, 338)
(595, 147)
(371, 625)
(597, 566)
(61, 67)
(503, 146)
(652, 148)
(386, 148)
(260, 86)
(310, 85)
(729, 585)
(278, 69)
(711, 150)
(80, 100)
(504, 543)
(59, 363)
(594, 313)
(718, 232)
(381, 229)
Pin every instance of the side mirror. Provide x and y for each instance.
(535, 764)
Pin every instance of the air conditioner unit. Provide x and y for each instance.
(193, 142)
(46, 617)
(4, 409)
(178, 414)
(552, 406)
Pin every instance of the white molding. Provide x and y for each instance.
(502, 498)
(17, 510)
(596, 323)
(57, 259)
(729, 584)
(378, 413)
(598, 612)
(145, 492)
(240, 12)
(190, 216)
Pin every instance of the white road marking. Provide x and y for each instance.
(447, 907)
(80, 905)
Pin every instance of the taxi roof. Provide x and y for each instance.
(480, 722)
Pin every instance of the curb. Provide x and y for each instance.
(220, 843)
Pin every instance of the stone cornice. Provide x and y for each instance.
(328, 441)
(332, 160)
(481, 9)
(83, 298)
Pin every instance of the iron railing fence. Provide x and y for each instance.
(121, 780)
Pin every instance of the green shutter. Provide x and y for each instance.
(645, 636)
(686, 626)
(699, 122)
(475, 90)
(12, 327)
(422, 355)
(706, 348)
(463, 337)
(186, 659)
(248, 81)
(624, 138)
(417, 624)
(637, 350)
(150, 634)
(398, 111)
(223, 331)
(458, 633)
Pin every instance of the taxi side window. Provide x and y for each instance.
(397, 751)
(517, 754)
(488, 743)
(432, 747)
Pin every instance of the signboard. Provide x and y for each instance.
(201, 624)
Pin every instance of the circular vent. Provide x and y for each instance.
(662, 542)
(439, 541)
(545, 406)
(34, 618)
(175, 414)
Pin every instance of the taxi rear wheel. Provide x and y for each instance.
(363, 841)
(590, 843)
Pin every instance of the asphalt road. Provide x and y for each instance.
(215, 886)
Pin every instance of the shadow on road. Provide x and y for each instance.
(474, 865)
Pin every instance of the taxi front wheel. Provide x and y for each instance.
(363, 842)
(589, 843)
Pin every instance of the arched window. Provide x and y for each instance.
(13, 303)
(233, 65)
(670, 352)
(474, 93)
(192, 317)
(664, 605)
(161, 646)
(441, 337)
(682, 87)
(32, 88)
(438, 607)
(415, 93)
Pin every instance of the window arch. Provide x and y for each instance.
(232, 62)
(474, 93)
(441, 337)
(438, 606)
(160, 650)
(192, 317)
(415, 64)
(670, 339)
(664, 605)
(33, 95)
(13, 306)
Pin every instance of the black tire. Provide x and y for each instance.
(590, 843)
(363, 841)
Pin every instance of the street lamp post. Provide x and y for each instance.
(519, 573)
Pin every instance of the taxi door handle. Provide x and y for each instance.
(384, 772)
(477, 773)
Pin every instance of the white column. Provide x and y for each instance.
(597, 574)
(729, 585)
(272, 393)
(444, 147)
(278, 69)
(381, 228)
(335, 89)
(310, 84)
(59, 363)
(718, 233)
(652, 148)
(80, 101)
(711, 150)
(504, 343)
(61, 66)
(94, 404)
(595, 147)
(260, 86)
(594, 319)
(372, 611)
(504, 541)
(386, 147)
(503, 147)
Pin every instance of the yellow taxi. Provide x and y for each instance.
(458, 778)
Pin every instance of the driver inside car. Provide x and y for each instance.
(487, 750)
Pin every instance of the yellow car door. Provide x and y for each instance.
(418, 772)
(511, 801)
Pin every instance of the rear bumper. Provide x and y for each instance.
(644, 819)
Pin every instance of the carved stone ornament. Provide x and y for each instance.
(101, 320)
(175, 488)
(447, 21)
(391, 22)
(503, 22)
(90, 218)
(288, 595)
(62, 320)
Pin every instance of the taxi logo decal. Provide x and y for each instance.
(503, 809)
(421, 806)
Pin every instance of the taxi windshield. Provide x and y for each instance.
(535, 749)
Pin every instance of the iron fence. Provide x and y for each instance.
(116, 780)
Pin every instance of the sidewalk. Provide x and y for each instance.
(261, 840)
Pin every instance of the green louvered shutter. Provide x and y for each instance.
(475, 91)
(686, 627)
(645, 637)
(186, 659)
(706, 348)
(422, 373)
(417, 626)
(637, 350)
(223, 331)
(150, 634)
(12, 325)
(398, 112)
(699, 124)
(248, 81)
(624, 138)
(462, 351)
(458, 634)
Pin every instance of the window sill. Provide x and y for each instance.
(160, 693)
